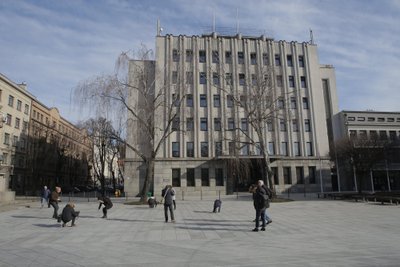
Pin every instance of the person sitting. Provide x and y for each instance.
(69, 214)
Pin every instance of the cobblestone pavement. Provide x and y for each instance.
(303, 233)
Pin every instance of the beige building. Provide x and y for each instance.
(59, 152)
(381, 126)
(15, 107)
(197, 158)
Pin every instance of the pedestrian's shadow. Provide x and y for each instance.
(30, 217)
(46, 225)
(202, 211)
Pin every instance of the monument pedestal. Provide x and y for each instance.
(6, 196)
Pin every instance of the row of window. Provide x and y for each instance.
(240, 59)
(372, 119)
(244, 149)
(63, 129)
(11, 103)
(191, 180)
(373, 134)
(15, 142)
(219, 176)
(17, 123)
(242, 79)
(244, 125)
(230, 100)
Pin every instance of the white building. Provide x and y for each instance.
(196, 159)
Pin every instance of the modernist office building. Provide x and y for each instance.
(207, 74)
(384, 127)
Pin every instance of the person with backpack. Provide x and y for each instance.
(261, 200)
(107, 205)
(167, 193)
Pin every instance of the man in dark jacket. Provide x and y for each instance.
(167, 194)
(107, 205)
(259, 204)
(54, 199)
(69, 214)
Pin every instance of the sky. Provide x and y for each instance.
(52, 46)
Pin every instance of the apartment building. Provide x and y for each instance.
(59, 152)
(384, 129)
(15, 106)
(208, 77)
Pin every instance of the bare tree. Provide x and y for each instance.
(132, 94)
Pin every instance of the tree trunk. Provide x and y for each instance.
(148, 180)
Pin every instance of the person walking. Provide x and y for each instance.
(173, 197)
(44, 197)
(269, 192)
(54, 199)
(167, 193)
(69, 214)
(107, 205)
(259, 197)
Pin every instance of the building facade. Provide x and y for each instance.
(383, 128)
(15, 106)
(209, 75)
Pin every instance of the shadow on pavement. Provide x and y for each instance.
(47, 225)
(30, 217)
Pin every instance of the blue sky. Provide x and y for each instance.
(53, 45)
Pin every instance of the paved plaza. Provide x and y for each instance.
(305, 232)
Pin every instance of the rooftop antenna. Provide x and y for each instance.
(237, 20)
(311, 37)
(213, 29)
(159, 29)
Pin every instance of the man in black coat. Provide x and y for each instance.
(107, 205)
(167, 194)
(259, 204)
(69, 214)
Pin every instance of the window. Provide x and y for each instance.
(190, 181)
(189, 100)
(270, 126)
(295, 126)
(284, 149)
(229, 101)
(217, 101)
(296, 149)
(232, 149)
(383, 135)
(10, 100)
(219, 177)
(228, 57)
(215, 79)
(289, 60)
(276, 175)
(228, 79)
(301, 61)
(287, 176)
(373, 135)
(281, 103)
(202, 56)
(19, 105)
(240, 58)
(271, 148)
(203, 78)
(253, 58)
(26, 111)
(244, 124)
(203, 124)
(265, 59)
(189, 124)
(204, 149)
(215, 57)
(189, 55)
(243, 100)
(175, 124)
(6, 138)
(231, 124)
(392, 135)
(190, 149)
(203, 101)
(253, 80)
(175, 101)
(8, 119)
(300, 175)
(17, 123)
(257, 149)
(282, 125)
(279, 81)
(242, 79)
(309, 149)
(303, 82)
(175, 149)
(307, 125)
(205, 178)
(305, 103)
(218, 148)
(311, 175)
(176, 177)
(244, 150)
(277, 60)
(175, 55)
(189, 77)
(363, 134)
(293, 103)
(217, 124)
(291, 81)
